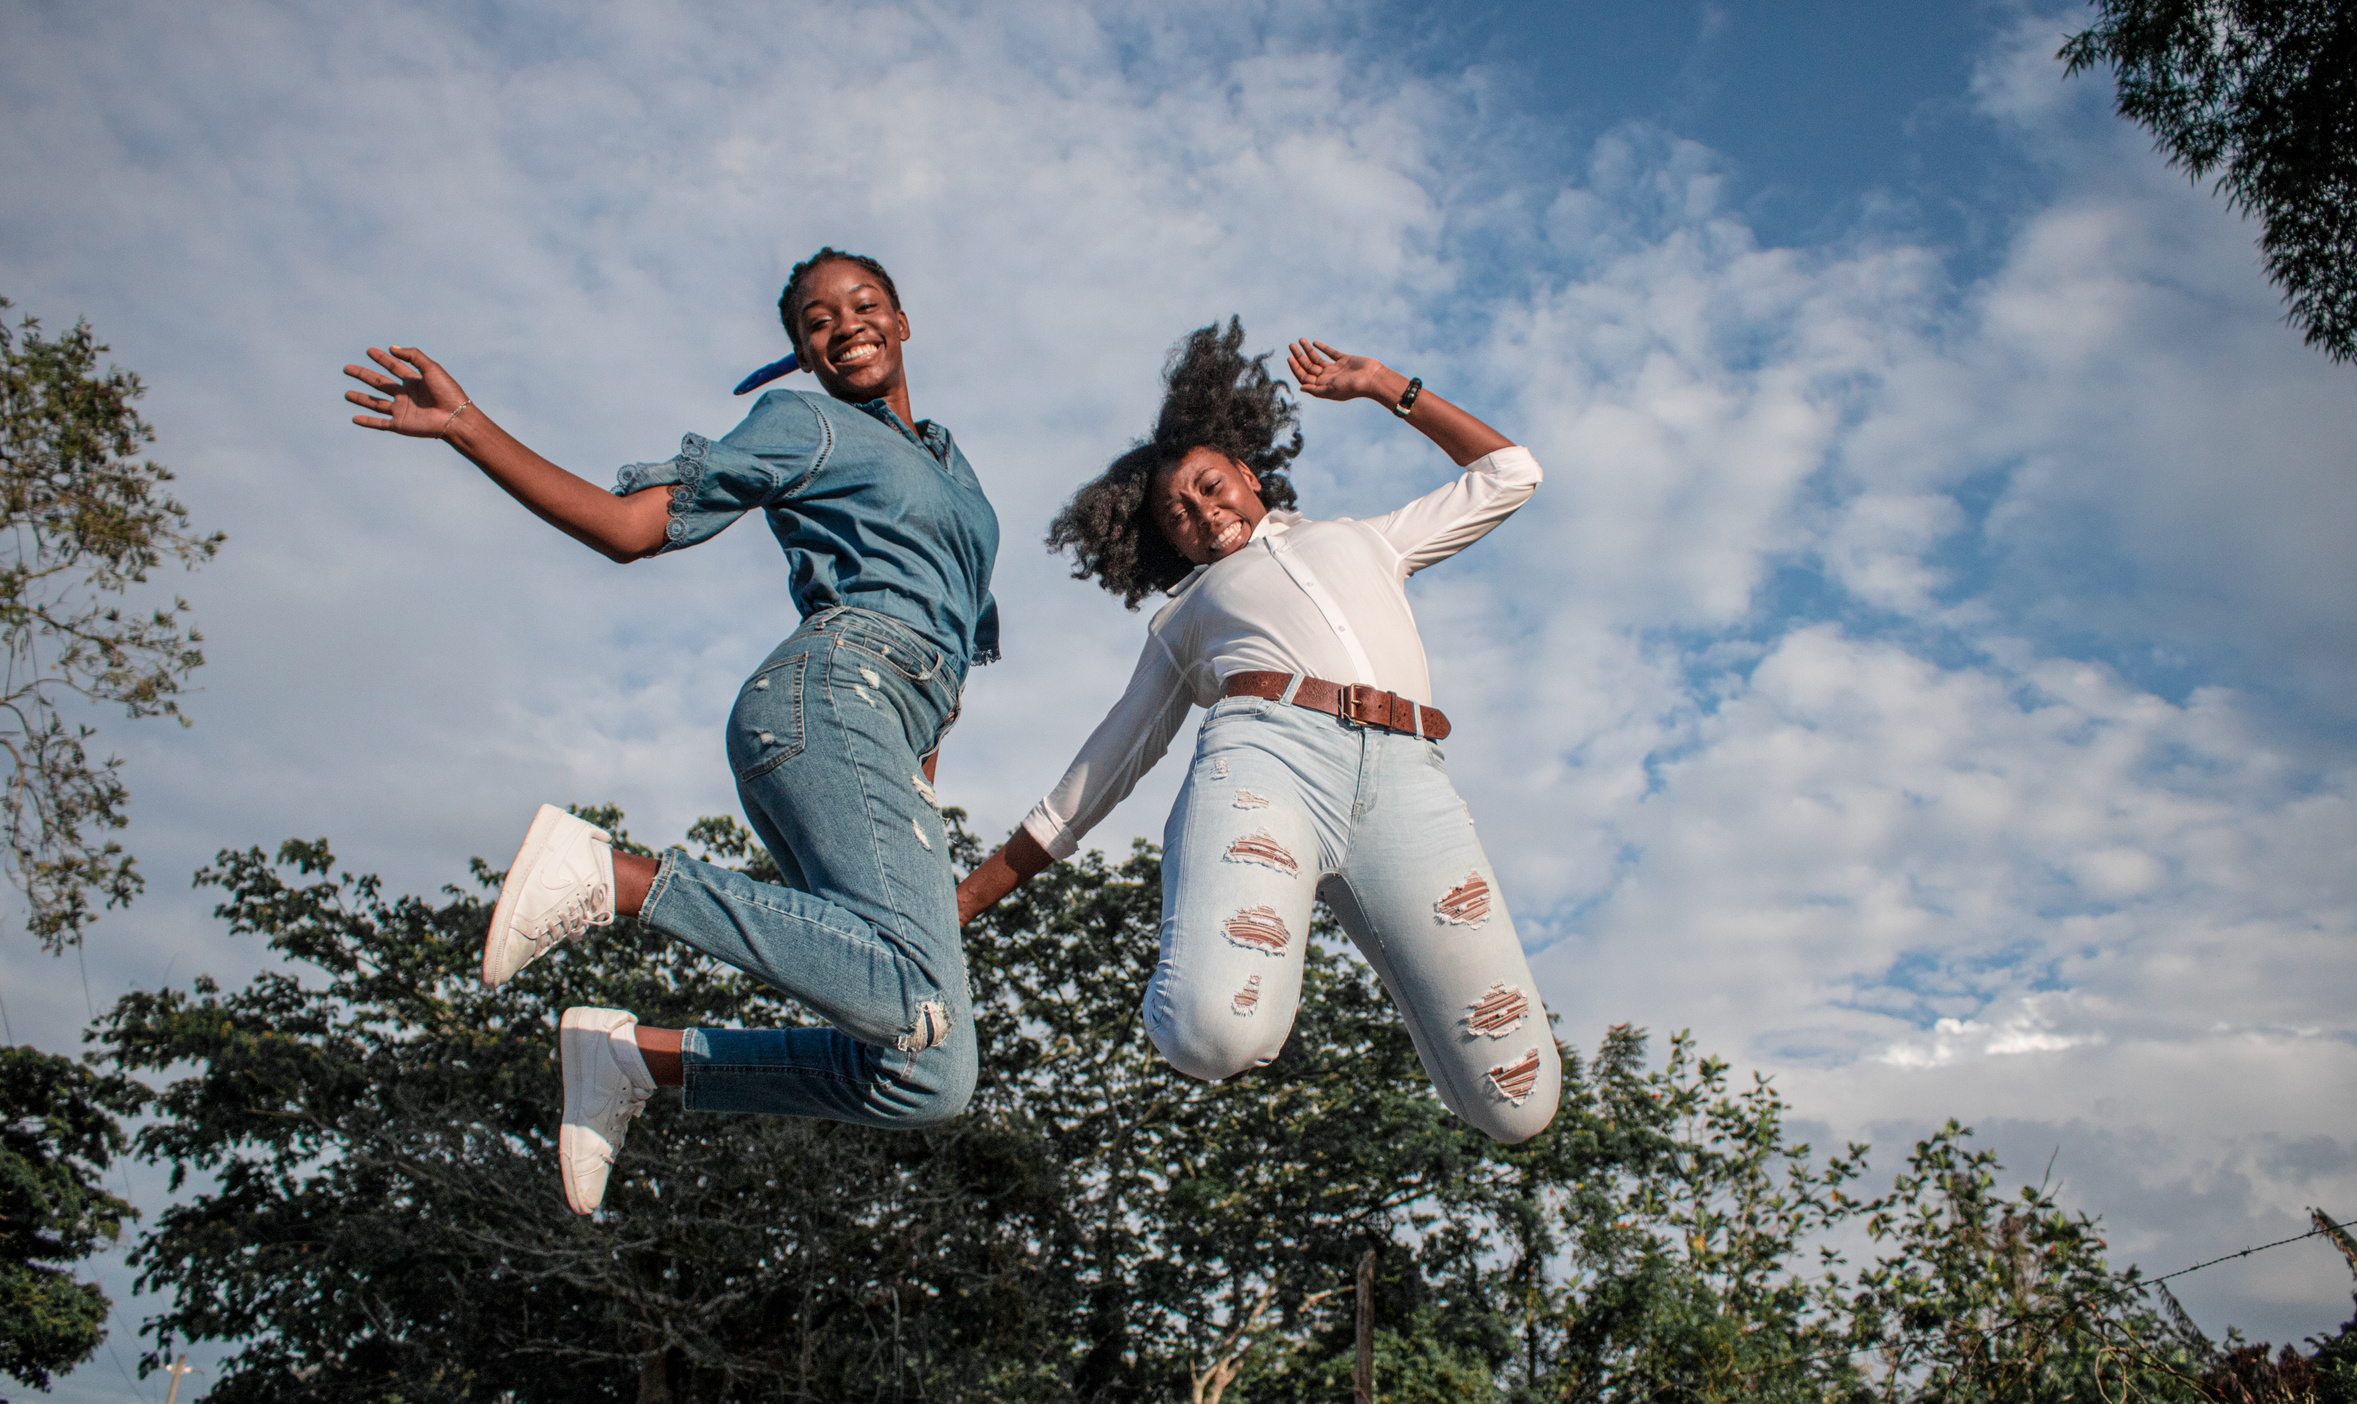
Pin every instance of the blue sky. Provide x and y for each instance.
(1828, 114)
(1925, 672)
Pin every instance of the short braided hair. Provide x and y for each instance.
(789, 302)
(1216, 398)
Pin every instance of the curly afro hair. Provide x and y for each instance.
(1217, 398)
(789, 302)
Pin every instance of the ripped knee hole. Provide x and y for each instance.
(1466, 904)
(1499, 1012)
(930, 1029)
(1261, 846)
(1514, 1081)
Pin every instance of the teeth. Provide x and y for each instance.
(857, 353)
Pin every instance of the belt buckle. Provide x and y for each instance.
(1358, 705)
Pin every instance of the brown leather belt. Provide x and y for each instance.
(1356, 703)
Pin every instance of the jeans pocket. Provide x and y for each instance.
(888, 642)
(901, 658)
(1230, 709)
(765, 730)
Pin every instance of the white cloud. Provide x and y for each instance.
(1933, 694)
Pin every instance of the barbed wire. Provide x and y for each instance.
(2317, 1232)
(2125, 1292)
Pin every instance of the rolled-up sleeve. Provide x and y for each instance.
(1446, 520)
(1125, 745)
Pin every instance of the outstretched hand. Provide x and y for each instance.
(417, 399)
(1327, 374)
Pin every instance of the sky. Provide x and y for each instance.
(1926, 673)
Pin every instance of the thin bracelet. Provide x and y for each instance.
(465, 405)
(1407, 402)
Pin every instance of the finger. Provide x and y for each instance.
(1303, 350)
(385, 359)
(367, 423)
(372, 379)
(405, 362)
(369, 402)
(1330, 351)
(416, 358)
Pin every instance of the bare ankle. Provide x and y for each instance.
(633, 876)
(660, 1049)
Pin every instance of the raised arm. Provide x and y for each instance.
(419, 399)
(1327, 374)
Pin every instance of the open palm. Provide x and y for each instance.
(416, 399)
(1327, 374)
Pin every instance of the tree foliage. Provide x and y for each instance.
(58, 1134)
(382, 1219)
(86, 520)
(2265, 93)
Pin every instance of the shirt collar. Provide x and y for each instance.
(1276, 522)
(928, 432)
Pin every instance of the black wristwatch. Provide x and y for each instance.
(1407, 402)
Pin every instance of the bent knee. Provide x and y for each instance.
(1217, 1045)
(1516, 1099)
(932, 1110)
(1511, 1125)
(937, 1084)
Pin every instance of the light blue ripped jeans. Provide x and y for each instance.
(825, 743)
(1282, 805)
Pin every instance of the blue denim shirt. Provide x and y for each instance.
(871, 513)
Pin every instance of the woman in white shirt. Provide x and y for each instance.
(1317, 771)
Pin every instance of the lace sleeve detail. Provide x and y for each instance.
(711, 486)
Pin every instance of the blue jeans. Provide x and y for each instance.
(825, 743)
(1282, 805)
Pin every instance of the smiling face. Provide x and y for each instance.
(851, 333)
(1207, 505)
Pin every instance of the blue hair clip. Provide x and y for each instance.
(768, 373)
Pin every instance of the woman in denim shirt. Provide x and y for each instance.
(890, 543)
(1317, 772)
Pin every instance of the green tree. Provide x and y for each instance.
(1220, 1224)
(58, 1134)
(383, 1220)
(1685, 1237)
(87, 520)
(2265, 93)
(1997, 1299)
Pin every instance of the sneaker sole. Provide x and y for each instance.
(499, 946)
(571, 1133)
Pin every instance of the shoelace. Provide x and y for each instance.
(637, 1102)
(614, 1122)
(579, 913)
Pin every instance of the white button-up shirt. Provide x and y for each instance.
(1326, 599)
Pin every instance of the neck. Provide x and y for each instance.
(896, 398)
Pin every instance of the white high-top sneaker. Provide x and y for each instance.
(606, 1085)
(561, 884)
